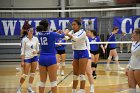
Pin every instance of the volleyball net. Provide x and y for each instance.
(102, 20)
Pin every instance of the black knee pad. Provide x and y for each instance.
(93, 65)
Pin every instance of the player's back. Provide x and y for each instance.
(47, 42)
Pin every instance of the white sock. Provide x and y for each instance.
(74, 90)
(92, 87)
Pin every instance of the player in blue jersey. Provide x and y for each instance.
(112, 48)
(29, 58)
(94, 49)
(60, 55)
(47, 59)
(80, 54)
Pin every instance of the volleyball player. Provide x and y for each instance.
(78, 37)
(60, 55)
(29, 58)
(47, 59)
(133, 68)
(94, 50)
(113, 51)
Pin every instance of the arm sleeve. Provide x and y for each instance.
(23, 44)
(80, 36)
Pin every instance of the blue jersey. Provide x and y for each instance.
(62, 46)
(112, 38)
(94, 47)
(47, 42)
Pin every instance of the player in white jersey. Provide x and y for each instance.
(133, 68)
(80, 53)
(29, 58)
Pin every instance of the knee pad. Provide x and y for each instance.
(82, 77)
(75, 77)
(116, 58)
(32, 74)
(110, 57)
(63, 63)
(24, 76)
(93, 64)
(53, 84)
(42, 84)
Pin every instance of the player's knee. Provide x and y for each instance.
(53, 84)
(82, 77)
(63, 64)
(42, 84)
(116, 58)
(24, 76)
(110, 57)
(75, 77)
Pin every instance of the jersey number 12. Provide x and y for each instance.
(43, 40)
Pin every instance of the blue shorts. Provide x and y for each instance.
(81, 54)
(34, 59)
(47, 60)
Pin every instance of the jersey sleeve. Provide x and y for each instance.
(81, 35)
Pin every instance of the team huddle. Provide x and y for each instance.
(85, 55)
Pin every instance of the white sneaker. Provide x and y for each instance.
(30, 90)
(18, 90)
(18, 69)
(62, 73)
(81, 91)
(74, 91)
(108, 68)
(120, 68)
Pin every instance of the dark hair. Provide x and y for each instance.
(45, 24)
(137, 31)
(115, 28)
(94, 32)
(40, 28)
(77, 21)
(25, 28)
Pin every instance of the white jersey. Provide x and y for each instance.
(28, 46)
(135, 56)
(78, 40)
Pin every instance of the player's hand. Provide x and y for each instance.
(34, 52)
(22, 63)
(66, 32)
(126, 72)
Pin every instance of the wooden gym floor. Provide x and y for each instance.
(107, 81)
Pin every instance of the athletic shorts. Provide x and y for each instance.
(47, 60)
(111, 48)
(94, 52)
(34, 59)
(81, 54)
(60, 52)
